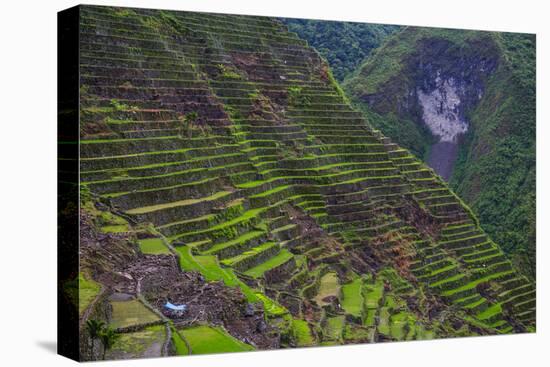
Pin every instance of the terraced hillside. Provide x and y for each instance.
(224, 141)
(465, 101)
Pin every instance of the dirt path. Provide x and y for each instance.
(442, 158)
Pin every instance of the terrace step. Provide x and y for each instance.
(253, 257)
(224, 230)
(235, 246)
(225, 182)
(182, 209)
(282, 259)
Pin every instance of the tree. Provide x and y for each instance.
(108, 337)
(95, 328)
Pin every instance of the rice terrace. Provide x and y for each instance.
(234, 195)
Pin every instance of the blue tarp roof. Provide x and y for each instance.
(175, 307)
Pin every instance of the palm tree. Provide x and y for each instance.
(95, 328)
(108, 337)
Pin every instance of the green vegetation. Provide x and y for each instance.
(404, 327)
(374, 293)
(343, 44)
(87, 291)
(211, 269)
(228, 72)
(352, 301)
(491, 311)
(131, 313)
(390, 60)
(139, 344)
(119, 228)
(271, 307)
(389, 71)
(186, 260)
(153, 246)
(118, 106)
(329, 287)
(302, 333)
(81, 291)
(280, 259)
(241, 155)
(296, 97)
(207, 339)
(94, 329)
(495, 169)
(334, 328)
(184, 202)
(108, 338)
(179, 344)
(111, 223)
(404, 131)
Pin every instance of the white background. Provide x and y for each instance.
(28, 181)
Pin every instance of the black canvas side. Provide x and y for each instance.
(68, 192)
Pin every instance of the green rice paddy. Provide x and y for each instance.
(153, 246)
(131, 313)
(207, 339)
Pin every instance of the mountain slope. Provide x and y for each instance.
(344, 44)
(224, 142)
(479, 88)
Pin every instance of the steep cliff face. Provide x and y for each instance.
(442, 109)
(432, 78)
(441, 87)
(224, 145)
